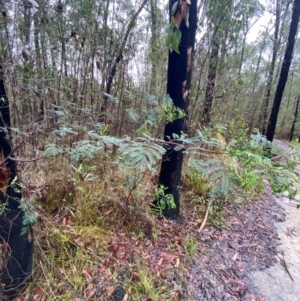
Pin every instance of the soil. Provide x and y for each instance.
(255, 257)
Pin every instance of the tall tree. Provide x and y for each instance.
(265, 105)
(284, 72)
(216, 27)
(183, 14)
(119, 57)
(17, 261)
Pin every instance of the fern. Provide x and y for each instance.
(141, 156)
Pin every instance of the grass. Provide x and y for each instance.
(95, 233)
(94, 236)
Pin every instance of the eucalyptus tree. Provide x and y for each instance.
(181, 40)
(119, 56)
(284, 72)
(229, 23)
(265, 105)
(218, 19)
(254, 102)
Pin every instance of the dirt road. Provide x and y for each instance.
(281, 282)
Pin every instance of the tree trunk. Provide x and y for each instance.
(17, 257)
(118, 59)
(282, 34)
(265, 104)
(37, 45)
(62, 29)
(153, 43)
(210, 88)
(284, 71)
(295, 120)
(288, 100)
(252, 107)
(179, 82)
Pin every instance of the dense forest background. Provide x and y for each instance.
(73, 65)
(87, 86)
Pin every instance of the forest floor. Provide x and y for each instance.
(89, 249)
(255, 257)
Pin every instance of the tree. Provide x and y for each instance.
(18, 247)
(265, 104)
(119, 57)
(229, 22)
(184, 19)
(284, 72)
(295, 119)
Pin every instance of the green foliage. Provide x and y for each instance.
(29, 218)
(141, 156)
(241, 168)
(82, 174)
(196, 182)
(163, 200)
(173, 37)
(154, 114)
(191, 246)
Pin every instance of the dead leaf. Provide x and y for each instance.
(235, 256)
(79, 242)
(90, 291)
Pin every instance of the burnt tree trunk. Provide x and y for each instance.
(295, 120)
(179, 82)
(265, 105)
(17, 249)
(284, 71)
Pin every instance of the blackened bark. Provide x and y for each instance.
(17, 258)
(284, 71)
(288, 100)
(265, 104)
(179, 81)
(210, 88)
(295, 120)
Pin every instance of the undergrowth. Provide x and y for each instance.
(96, 237)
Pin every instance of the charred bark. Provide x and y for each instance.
(295, 120)
(284, 71)
(179, 82)
(17, 255)
(265, 104)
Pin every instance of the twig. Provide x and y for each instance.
(283, 263)
(28, 160)
(205, 218)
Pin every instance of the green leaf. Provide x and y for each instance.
(174, 7)
(176, 40)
